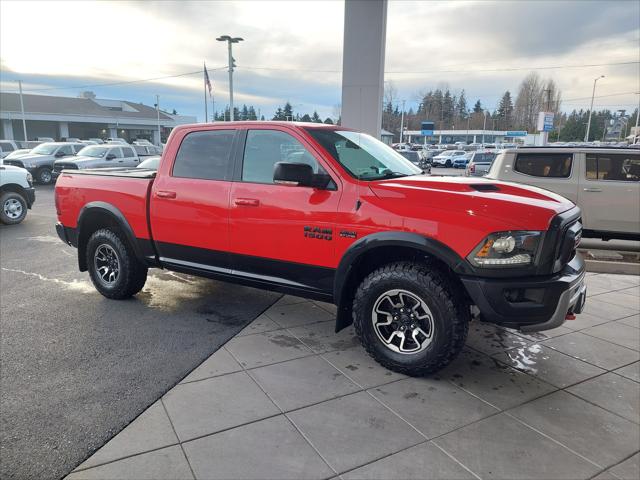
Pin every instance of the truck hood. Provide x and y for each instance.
(11, 168)
(521, 206)
(78, 159)
(36, 157)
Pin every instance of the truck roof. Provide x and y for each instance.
(279, 123)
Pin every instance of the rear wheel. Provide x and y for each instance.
(44, 176)
(410, 318)
(448, 164)
(115, 271)
(13, 208)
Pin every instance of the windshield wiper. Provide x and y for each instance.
(392, 175)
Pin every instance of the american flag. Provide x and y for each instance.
(207, 82)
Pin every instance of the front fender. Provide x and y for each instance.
(344, 282)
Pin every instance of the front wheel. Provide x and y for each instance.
(13, 208)
(44, 176)
(410, 319)
(115, 271)
(448, 164)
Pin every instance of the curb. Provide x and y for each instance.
(625, 268)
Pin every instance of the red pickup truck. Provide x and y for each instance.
(332, 214)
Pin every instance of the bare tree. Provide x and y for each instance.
(528, 100)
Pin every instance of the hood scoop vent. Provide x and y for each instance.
(485, 187)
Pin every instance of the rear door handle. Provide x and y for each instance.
(165, 194)
(246, 202)
(592, 189)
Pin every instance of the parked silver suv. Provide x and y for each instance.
(99, 156)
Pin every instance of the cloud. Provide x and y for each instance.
(300, 44)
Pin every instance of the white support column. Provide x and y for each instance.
(365, 29)
(63, 130)
(113, 132)
(156, 137)
(7, 129)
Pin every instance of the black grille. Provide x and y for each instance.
(14, 163)
(58, 167)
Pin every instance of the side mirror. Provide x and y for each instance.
(59, 154)
(293, 174)
(111, 156)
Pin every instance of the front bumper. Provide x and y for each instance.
(30, 193)
(531, 303)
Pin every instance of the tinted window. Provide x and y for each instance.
(205, 155)
(550, 165)
(140, 150)
(77, 148)
(6, 147)
(265, 148)
(115, 151)
(621, 167)
(128, 152)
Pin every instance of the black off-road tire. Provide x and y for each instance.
(44, 176)
(14, 216)
(448, 164)
(132, 273)
(450, 312)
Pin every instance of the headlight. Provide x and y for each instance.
(507, 249)
(27, 164)
(29, 179)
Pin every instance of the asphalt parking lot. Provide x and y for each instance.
(76, 368)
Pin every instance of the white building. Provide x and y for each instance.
(473, 136)
(64, 117)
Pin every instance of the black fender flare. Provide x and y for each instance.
(415, 241)
(119, 219)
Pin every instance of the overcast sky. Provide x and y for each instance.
(293, 50)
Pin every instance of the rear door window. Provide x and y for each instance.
(128, 152)
(205, 155)
(621, 167)
(546, 165)
(67, 149)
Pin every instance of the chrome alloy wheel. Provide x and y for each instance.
(107, 264)
(12, 208)
(402, 321)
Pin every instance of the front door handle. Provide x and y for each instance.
(165, 194)
(246, 202)
(592, 189)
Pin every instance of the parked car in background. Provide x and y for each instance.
(17, 194)
(39, 161)
(417, 159)
(99, 156)
(72, 140)
(45, 139)
(603, 182)
(150, 163)
(147, 150)
(117, 140)
(7, 146)
(98, 141)
(88, 142)
(461, 161)
(446, 158)
(142, 141)
(479, 164)
(29, 144)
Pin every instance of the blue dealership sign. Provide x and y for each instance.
(426, 128)
(517, 133)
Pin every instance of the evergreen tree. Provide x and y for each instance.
(305, 118)
(252, 113)
(477, 108)
(279, 115)
(505, 111)
(461, 106)
(316, 118)
(244, 114)
(328, 121)
(287, 111)
(448, 109)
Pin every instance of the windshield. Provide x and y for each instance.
(45, 149)
(93, 151)
(363, 156)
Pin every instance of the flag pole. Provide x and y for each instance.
(213, 110)
(204, 84)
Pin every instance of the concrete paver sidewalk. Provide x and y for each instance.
(288, 398)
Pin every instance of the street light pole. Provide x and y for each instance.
(158, 112)
(636, 138)
(484, 125)
(593, 94)
(402, 122)
(230, 40)
(24, 122)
